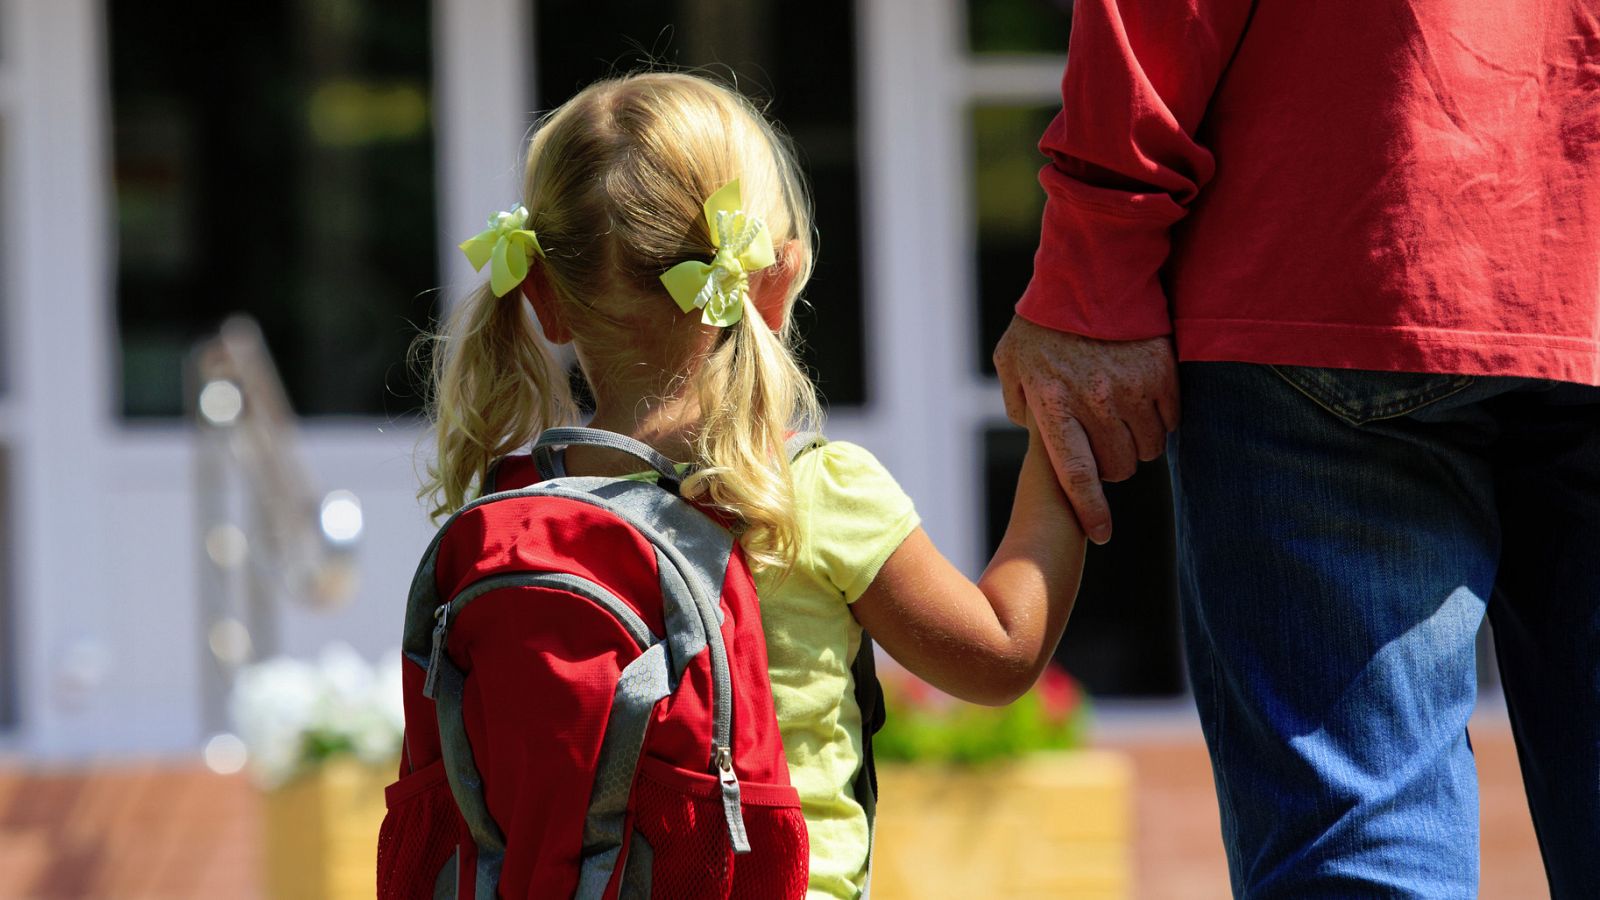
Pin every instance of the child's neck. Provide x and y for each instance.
(668, 425)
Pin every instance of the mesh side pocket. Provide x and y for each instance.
(680, 814)
(692, 858)
(418, 836)
(779, 862)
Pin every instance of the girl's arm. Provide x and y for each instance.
(985, 642)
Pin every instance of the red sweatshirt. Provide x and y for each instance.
(1380, 184)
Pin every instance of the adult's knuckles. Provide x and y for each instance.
(1079, 472)
(1058, 406)
(1101, 390)
(1150, 433)
(1016, 410)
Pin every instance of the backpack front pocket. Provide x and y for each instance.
(679, 815)
(419, 834)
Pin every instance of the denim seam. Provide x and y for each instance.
(1218, 711)
(1393, 409)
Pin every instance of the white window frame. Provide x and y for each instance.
(920, 82)
(76, 462)
(74, 456)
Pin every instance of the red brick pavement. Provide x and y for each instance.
(127, 831)
(1179, 854)
(164, 831)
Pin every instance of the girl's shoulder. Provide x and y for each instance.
(841, 470)
(843, 457)
(851, 514)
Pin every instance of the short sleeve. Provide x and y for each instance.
(852, 515)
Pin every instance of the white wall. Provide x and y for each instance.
(58, 268)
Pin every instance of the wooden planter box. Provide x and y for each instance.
(322, 832)
(1051, 825)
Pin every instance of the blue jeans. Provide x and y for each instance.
(1341, 535)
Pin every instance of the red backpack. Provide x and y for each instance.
(588, 712)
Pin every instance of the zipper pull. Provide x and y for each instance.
(732, 807)
(441, 629)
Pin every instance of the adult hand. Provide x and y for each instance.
(1102, 406)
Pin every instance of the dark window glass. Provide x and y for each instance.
(1018, 26)
(1122, 640)
(274, 159)
(6, 354)
(799, 56)
(1008, 204)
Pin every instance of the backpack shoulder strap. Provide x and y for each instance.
(801, 441)
(545, 456)
(869, 697)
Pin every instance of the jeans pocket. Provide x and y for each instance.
(1359, 396)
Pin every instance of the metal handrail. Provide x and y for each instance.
(267, 537)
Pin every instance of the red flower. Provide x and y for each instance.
(914, 691)
(1059, 694)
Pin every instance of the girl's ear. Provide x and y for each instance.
(536, 289)
(770, 286)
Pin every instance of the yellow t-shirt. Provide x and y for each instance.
(851, 515)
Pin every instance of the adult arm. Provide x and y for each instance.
(1088, 352)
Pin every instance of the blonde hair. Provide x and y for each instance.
(615, 182)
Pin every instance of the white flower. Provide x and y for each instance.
(279, 706)
(274, 706)
(375, 740)
(389, 690)
(346, 674)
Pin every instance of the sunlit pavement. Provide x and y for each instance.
(139, 831)
(1179, 853)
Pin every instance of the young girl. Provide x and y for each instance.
(665, 233)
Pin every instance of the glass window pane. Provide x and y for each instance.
(1018, 26)
(798, 55)
(6, 352)
(1123, 640)
(1008, 203)
(276, 160)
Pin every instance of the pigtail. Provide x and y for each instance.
(619, 177)
(752, 393)
(496, 386)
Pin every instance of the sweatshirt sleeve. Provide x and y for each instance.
(1124, 162)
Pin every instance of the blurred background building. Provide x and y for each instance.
(313, 164)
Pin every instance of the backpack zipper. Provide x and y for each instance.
(441, 625)
(732, 805)
(611, 603)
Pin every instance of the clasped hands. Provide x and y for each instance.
(1101, 406)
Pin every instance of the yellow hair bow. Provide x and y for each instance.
(506, 230)
(722, 287)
